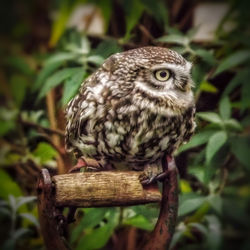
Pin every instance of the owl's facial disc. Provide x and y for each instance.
(168, 81)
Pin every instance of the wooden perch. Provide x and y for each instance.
(97, 189)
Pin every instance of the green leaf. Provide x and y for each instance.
(206, 56)
(175, 38)
(197, 140)
(19, 63)
(23, 200)
(8, 186)
(7, 120)
(6, 127)
(158, 10)
(214, 232)
(96, 59)
(56, 79)
(200, 227)
(192, 32)
(190, 205)
(148, 211)
(13, 203)
(107, 48)
(60, 58)
(240, 78)
(215, 163)
(5, 212)
(139, 221)
(198, 172)
(45, 73)
(106, 8)
(98, 238)
(185, 186)
(225, 108)
(31, 218)
(233, 60)
(179, 49)
(133, 11)
(91, 218)
(215, 201)
(59, 24)
(245, 93)
(85, 46)
(10, 243)
(233, 209)
(233, 125)
(198, 75)
(216, 141)
(210, 117)
(45, 152)
(240, 147)
(208, 87)
(72, 85)
(177, 237)
(18, 86)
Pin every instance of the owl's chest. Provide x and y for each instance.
(130, 134)
(141, 135)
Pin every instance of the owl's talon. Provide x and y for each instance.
(161, 176)
(90, 165)
(147, 180)
(143, 178)
(93, 168)
(152, 173)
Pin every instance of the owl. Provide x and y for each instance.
(134, 110)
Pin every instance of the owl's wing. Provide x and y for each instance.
(73, 112)
(190, 123)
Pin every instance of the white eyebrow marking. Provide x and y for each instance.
(177, 68)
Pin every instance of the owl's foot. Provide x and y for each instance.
(152, 172)
(157, 171)
(147, 178)
(81, 163)
(102, 165)
(91, 165)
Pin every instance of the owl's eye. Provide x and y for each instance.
(162, 75)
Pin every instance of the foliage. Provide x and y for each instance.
(12, 215)
(214, 166)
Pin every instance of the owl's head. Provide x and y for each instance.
(156, 72)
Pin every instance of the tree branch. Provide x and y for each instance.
(50, 101)
(39, 127)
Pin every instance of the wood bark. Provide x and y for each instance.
(103, 189)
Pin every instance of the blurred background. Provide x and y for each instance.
(47, 49)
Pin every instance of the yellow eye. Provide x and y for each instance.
(162, 75)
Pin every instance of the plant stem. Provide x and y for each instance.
(50, 101)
